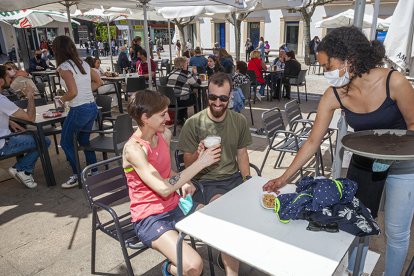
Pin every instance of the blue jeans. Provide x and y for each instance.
(399, 211)
(79, 118)
(22, 142)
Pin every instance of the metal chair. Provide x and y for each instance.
(245, 88)
(133, 85)
(302, 127)
(107, 141)
(313, 63)
(253, 83)
(104, 189)
(105, 102)
(278, 138)
(165, 65)
(174, 106)
(299, 81)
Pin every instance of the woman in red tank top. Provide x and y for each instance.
(153, 185)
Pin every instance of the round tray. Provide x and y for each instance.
(386, 144)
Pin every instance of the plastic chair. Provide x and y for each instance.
(133, 85)
(299, 81)
(107, 141)
(104, 189)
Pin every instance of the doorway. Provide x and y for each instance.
(292, 35)
(254, 33)
(220, 34)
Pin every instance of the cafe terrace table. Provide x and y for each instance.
(39, 123)
(202, 100)
(117, 80)
(47, 73)
(238, 225)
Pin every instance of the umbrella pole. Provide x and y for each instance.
(374, 20)
(359, 13)
(169, 39)
(67, 5)
(146, 40)
(109, 43)
(16, 48)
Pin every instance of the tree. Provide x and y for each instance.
(102, 31)
(181, 23)
(235, 18)
(307, 9)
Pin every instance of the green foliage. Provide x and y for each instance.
(102, 31)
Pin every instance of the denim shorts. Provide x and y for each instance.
(151, 228)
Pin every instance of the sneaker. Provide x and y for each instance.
(258, 96)
(72, 182)
(13, 172)
(164, 268)
(26, 179)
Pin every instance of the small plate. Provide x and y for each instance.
(267, 194)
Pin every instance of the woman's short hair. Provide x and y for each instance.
(11, 64)
(255, 54)
(180, 62)
(291, 54)
(242, 67)
(146, 101)
(350, 44)
(91, 61)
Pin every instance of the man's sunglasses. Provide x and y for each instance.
(331, 227)
(222, 98)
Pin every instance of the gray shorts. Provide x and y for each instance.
(216, 187)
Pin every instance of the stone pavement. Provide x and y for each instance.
(47, 231)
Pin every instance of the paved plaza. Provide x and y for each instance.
(47, 231)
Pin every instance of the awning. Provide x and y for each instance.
(123, 27)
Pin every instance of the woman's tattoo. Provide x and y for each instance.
(173, 180)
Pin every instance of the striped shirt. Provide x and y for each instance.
(180, 80)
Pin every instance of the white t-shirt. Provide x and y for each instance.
(7, 108)
(83, 82)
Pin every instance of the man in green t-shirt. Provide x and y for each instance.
(234, 131)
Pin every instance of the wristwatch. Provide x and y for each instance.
(245, 178)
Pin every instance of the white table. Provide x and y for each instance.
(237, 225)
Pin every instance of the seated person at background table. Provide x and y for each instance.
(292, 70)
(278, 67)
(257, 65)
(199, 60)
(213, 66)
(180, 79)
(226, 60)
(371, 98)
(37, 63)
(239, 78)
(19, 79)
(142, 65)
(123, 61)
(153, 185)
(233, 167)
(45, 57)
(22, 171)
(79, 80)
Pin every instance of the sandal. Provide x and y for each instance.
(164, 268)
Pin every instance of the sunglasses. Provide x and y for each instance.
(331, 227)
(222, 98)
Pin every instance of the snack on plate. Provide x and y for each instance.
(268, 200)
(52, 113)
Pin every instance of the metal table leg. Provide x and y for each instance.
(363, 241)
(180, 253)
(49, 175)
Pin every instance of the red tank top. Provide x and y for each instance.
(144, 201)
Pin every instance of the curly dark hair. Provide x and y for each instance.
(350, 44)
(242, 67)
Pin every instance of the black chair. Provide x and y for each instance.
(302, 127)
(174, 106)
(107, 141)
(104, 190)
(165, 65)
(41, 87)
(50, 130)
(299, 81)
(163, 80)
(253, 81)
(105, 111)
(133, 85)
(245, 88)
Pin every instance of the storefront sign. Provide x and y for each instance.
(138, 27)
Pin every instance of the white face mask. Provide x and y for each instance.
(335, 80)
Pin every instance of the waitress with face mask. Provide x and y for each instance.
(372, 98)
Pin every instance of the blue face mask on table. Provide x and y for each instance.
(381, 165)
(185, 204)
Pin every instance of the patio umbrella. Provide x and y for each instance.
(344, 19)
(398, 43)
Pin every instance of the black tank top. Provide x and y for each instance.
(387, 116)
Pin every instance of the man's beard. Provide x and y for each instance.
(218, 114)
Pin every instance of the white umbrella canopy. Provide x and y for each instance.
(344, 19)
(32, 18)
(399, 42)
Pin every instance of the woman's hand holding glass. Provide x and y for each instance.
(209, 156)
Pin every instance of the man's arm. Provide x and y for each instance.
(30, 114)
(243, 162)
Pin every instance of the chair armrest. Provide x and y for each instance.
(201, 188)
(108, 209)
(254, 167)
(287, 133)
(96, 131)
(310, 114)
